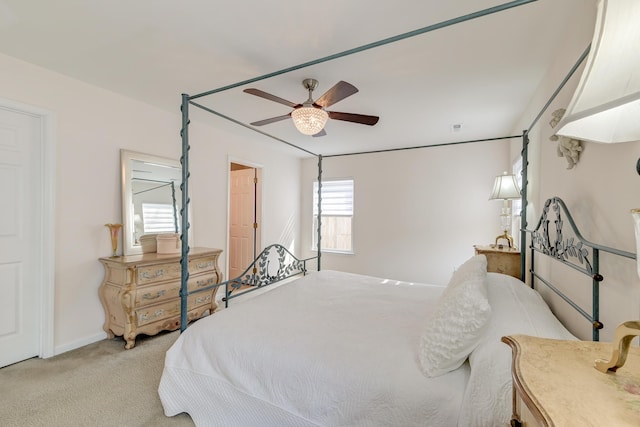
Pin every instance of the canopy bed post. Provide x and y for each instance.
(184, 238)
(525, 164)
(595, 294)
(319, 236)
(523, 211)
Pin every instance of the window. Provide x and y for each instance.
(516, 207)
(517, 171)
(158, 218)
(337, 216)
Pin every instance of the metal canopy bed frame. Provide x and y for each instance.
(576, 253)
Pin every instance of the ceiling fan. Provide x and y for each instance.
(311, 116)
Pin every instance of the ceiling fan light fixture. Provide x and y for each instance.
(309, 120)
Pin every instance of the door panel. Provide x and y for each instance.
(19, 175)
(241, 219)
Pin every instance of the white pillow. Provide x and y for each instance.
(474, 266)
(458, 323)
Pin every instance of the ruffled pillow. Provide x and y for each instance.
(458, 323)
(473, 267)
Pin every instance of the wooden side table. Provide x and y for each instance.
(555, 384)
(501, 259)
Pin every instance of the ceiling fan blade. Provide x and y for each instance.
(271, 120)
(265, 95)
(355, 118)
(321, 133)
(338, 92)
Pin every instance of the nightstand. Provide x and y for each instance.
(501, 259)
(555, 384)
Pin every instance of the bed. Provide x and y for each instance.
(340, 349)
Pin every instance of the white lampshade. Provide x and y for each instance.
(309, 120)
(606, 104)
(505, 187)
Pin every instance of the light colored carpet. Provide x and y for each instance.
(101, 384)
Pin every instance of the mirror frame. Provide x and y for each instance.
(126, 157)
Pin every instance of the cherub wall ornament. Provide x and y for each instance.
(567, 147)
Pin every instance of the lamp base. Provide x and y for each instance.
(508, 238)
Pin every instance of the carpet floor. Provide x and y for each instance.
(101, 384)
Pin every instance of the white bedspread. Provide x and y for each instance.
(329, 349)
(338, 349)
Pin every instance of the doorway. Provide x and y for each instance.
(27, 178)
(245, 214)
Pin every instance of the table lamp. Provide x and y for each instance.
(505, 188)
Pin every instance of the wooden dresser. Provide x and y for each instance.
(141, 293)
(555, 384)
(501, 259)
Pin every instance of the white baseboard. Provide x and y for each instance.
(79, 343)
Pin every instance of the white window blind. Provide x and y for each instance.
(337, 216)
(337, 198)
(158, 218)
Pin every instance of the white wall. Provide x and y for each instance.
(417, 213)
(600, 191)
(92, 126)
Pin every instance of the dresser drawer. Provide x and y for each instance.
(153, 294)
(202, 281)
(200, 299)
(172, 270)
(157, 293)
(202, 264)
(154, 313)
(158, 273)
(157, 312)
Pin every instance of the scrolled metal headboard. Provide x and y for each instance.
(574, 252)
(262, 271)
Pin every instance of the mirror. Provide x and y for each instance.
(151, 197)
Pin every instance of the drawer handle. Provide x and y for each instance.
(147, 275)
(202, 265)
(147, 316)
(149, 295)
(200, 300)
(202, 283)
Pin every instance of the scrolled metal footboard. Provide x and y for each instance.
(274, 264)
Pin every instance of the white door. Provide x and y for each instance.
(243, 213)
(20, 192)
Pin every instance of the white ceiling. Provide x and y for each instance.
(480, 73)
